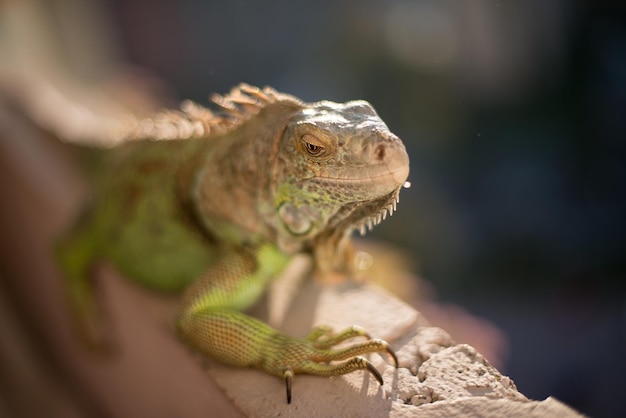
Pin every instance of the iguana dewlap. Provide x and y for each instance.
(218, 203)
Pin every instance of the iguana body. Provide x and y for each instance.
(219, 203)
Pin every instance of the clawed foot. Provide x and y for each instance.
(315, 353)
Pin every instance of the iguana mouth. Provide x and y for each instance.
(395, 177)
(375, 197)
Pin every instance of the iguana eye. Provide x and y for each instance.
(313, 149)
(313, 146)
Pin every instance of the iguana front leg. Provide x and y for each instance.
(211, 321)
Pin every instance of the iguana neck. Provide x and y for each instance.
(233, 182)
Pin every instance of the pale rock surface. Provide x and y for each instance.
(436, 377)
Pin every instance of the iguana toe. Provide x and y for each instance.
(315, 355)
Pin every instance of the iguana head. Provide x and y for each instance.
(304, 175)
(338, 169)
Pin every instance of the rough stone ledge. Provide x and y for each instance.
(436, 377)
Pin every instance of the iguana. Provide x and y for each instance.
(219, 203)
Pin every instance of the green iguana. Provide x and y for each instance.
(219, 203)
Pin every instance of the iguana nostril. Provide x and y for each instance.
(379, 152)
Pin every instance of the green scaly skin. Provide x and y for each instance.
(219, 204)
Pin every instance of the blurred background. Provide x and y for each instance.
(513, 113)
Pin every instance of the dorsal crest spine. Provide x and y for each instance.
(242, 103)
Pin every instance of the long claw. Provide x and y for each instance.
(288, 379)
(393, 356)
(374, 372)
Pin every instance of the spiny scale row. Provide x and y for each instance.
(369, 223)
(195, 121)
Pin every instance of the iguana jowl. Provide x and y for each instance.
(220, 202)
